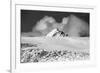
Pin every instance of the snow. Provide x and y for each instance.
(71, 43)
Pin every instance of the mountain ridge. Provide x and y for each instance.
(56, 33)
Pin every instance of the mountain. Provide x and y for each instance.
(56, 33)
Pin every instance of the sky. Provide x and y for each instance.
(29, 18)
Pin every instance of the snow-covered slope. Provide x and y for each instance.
(44, 49)
(56, 46)
(70, 43)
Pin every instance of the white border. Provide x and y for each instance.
(15, 59)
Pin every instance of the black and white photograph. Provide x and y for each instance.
(48, 37)
(54, 36)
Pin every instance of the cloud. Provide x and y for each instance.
(71, 25)
(76, 27)
(44, 23)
